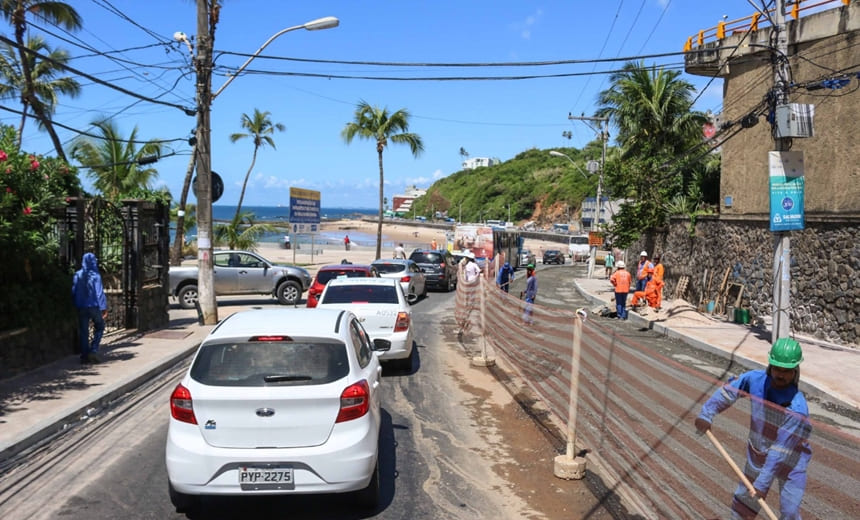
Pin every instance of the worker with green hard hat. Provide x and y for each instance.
(778, 445)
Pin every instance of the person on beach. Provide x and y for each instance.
(778, 444)
(346, 242)
(399, 251)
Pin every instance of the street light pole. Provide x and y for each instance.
(208, 308)
(604, 136)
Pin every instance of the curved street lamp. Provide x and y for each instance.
(208, 308)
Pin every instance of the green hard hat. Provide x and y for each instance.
(530, 266)
(785, 353)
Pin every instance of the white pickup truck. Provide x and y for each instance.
(242, 272)
(578, 248)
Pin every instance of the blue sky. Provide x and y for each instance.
(491, 118)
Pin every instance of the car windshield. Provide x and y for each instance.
(390, 268)
(270, 363)
(360, 294)
(329, 274)
(427, 258)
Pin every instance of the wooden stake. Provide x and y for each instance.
(766, 508)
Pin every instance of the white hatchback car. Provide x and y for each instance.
(382, 308)
(407, 272)
(278, 401)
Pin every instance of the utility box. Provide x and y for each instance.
(794, 120)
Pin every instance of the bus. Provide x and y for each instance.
(509, 243)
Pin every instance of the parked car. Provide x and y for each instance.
(381, 306)
(241, 272)
(438, 265)
(553, 256)
(278, 401)
(525, 256)
(412, 280)
(329, 272)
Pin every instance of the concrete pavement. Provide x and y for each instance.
(36, 405)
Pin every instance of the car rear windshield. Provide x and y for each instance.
(426, 258)
(270, 363)
(324, 276)
(360, 294)
(390, 268)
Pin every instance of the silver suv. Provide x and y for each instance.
(242, 272)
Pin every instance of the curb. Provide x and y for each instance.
(60, 422)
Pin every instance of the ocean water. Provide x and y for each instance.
(279, 216)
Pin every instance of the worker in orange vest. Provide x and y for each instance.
(621, 280)
(659, 271)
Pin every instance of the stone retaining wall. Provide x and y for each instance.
(825, 270)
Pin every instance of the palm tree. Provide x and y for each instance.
(260, 128)
(55, 13)
(241, 233)
(45, 83)
(376, 124)
(114, 162)
(651, 108)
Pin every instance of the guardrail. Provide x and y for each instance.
(633, 411)
(752, 23)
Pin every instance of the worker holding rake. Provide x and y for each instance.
(778, 447)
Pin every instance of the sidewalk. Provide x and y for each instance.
(827, 369)
(38, 404)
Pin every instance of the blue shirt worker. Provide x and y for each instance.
(89, 297)
(644, 270)
(530, 293)
(505, 277)
(778, 446)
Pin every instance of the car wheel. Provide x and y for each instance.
(368, 498)
(289, 293)
(187, 296)
(182, 502)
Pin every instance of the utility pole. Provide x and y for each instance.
(781, 327)
(604, 136)
(205, 273)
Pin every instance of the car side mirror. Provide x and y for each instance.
(381, 345)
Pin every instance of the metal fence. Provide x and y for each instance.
(635, 409)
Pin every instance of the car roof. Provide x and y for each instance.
(403, 261)
(292, 321)
(362, 281)
(346, 267)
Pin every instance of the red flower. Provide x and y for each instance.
(8, 189)
(3, 156)
(27, 210)
(34, 164)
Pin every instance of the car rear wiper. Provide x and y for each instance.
(280, 378)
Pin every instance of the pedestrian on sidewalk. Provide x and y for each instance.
(609, 263)
(778, 447)
(530, 294)
(399, 251)
(644, 269)
(346, 242)
(505, 277)
(621, 281)
(89, 297)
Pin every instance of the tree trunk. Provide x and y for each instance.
(176, 257)
(245, 184)
(379, 223)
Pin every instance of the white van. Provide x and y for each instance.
(578, 247)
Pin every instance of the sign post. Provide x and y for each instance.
(304, 215)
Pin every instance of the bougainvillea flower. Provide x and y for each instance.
(28, 210)
(3, 156)
(34, 164)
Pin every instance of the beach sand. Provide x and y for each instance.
(363, 251)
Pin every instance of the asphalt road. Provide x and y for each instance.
(456, 444)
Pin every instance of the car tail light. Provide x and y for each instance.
(354, 402)
(402, 322)
(181, 407)
(405, 278)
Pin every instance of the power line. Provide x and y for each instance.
(188, 111)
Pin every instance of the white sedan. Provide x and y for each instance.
(382, 308)
(276, 402)
(407, 272)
